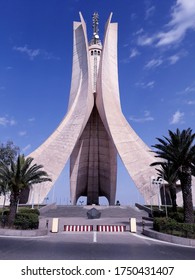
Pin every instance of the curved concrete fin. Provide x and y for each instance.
(56, 150)
(134, 153)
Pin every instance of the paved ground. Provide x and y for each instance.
(92, 245)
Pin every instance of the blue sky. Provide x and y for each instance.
(156, 58)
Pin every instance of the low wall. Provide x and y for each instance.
(168, 237)
(23, 233)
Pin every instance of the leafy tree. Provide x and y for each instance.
(20, 175)
(168, 173)
(179, 150)
(8, 152)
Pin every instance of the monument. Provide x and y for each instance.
(94, 129)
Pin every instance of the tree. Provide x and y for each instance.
(168, 173)
(20, 175)
(8, 152)
(179, 150)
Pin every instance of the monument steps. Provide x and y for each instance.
(81, 211)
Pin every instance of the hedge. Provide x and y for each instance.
(26, 218)
(26, 221)
(29, 210)
(178, 216)
(171, 226)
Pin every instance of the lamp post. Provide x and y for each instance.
(157, 183)
(151, 194)
(161, 181)
(32, 199)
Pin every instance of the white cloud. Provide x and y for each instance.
(189, 89)
(177, 117)
(150, 84)
(140, 31)
(29, 52)
(49, 56)
(147, 117)
(174, 58)
(5, 121)
(33, 53)
(149, 12)
(22, 133)
(31, 119)
(26, 148)
(182, 20)
(145, 85)
(191, 102)
(144, 40)
(177, 56)
(153, 63)
(133, 53)
(9, 68)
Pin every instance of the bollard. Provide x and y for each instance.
(55, 223)
(132, 222)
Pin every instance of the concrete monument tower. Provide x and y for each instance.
(94, 130)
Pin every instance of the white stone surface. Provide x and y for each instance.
(56, 150)
(95, 83)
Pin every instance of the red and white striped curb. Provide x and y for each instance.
(111, 228)
(78, 228)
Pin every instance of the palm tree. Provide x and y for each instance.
(20, 175)
(3, 190)
(168, 173)
(179, 150)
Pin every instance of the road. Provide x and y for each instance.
(92, 246)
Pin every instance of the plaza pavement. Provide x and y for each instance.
(110, 215)
(77, 215)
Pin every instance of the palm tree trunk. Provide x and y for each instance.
(13, 208)
(186, 183)
(173, 194)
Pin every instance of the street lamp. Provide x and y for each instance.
(157, 183)
(161, 180)
(32, 199)
(151, 180)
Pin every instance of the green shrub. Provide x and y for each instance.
(26, 221)
(5, 212)
(178, 216)
(164, 224)
(180, 209)
(29, 210)
(3, 217)
(158, 213)
(171, 226)
(188, 230)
